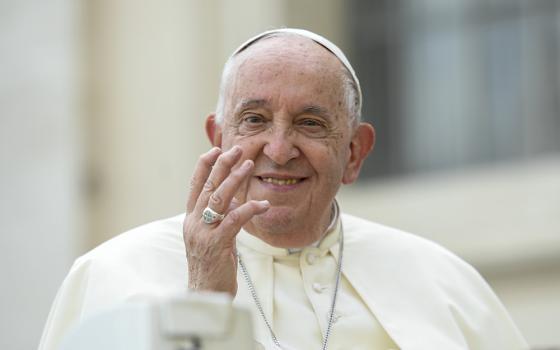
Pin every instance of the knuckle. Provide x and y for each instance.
(205, 159)
(225, 160)
(216, 199)
(220, 162)
(238, 174)
(236, 202)
(209, 185)
(234, 217)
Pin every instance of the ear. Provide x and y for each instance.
(213, 130)
(361, 144)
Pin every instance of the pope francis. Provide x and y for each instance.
(263, 225)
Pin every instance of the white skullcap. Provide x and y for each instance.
(326, 43)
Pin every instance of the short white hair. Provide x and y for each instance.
(352, 90)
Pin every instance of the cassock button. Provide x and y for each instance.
(317, 287)
(311, 258)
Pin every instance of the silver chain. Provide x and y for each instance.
(333, 303)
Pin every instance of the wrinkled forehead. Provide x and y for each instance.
(287, 43)
(292, 68)
(317, 39)
(297, 51)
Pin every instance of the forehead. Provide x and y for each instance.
(288, 65)
(286, 45)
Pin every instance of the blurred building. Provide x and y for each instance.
(102, 107)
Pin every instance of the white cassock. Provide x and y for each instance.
(398, 291)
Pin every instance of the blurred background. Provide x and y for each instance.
(102, 105)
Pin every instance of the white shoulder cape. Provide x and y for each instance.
(424, 296)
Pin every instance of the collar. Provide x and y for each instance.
(324, 244)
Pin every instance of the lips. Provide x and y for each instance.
(280, 182)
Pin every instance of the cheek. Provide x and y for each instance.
(250, 147)
(337, 147)
(329, 160)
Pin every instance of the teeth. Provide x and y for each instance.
(280, 182)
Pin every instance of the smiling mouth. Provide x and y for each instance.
(280, 182)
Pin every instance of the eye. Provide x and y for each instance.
(250, 123)
(313, 127)
(310, 122)
(253, 119)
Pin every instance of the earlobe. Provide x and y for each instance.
(213, 130)
(361, 144)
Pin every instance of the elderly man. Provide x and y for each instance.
(263, 225)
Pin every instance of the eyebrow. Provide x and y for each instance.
(251, 103)
(259, 103)
(316, 110)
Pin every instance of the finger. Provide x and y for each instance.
(234, 221)
(221, 199)
(201, 172)
(234, 204)
(221, 169)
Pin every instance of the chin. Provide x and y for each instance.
(276, 220)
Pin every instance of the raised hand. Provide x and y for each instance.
(210, 247)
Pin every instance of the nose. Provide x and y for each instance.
(280, 146)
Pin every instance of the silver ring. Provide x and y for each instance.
(209, 216)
